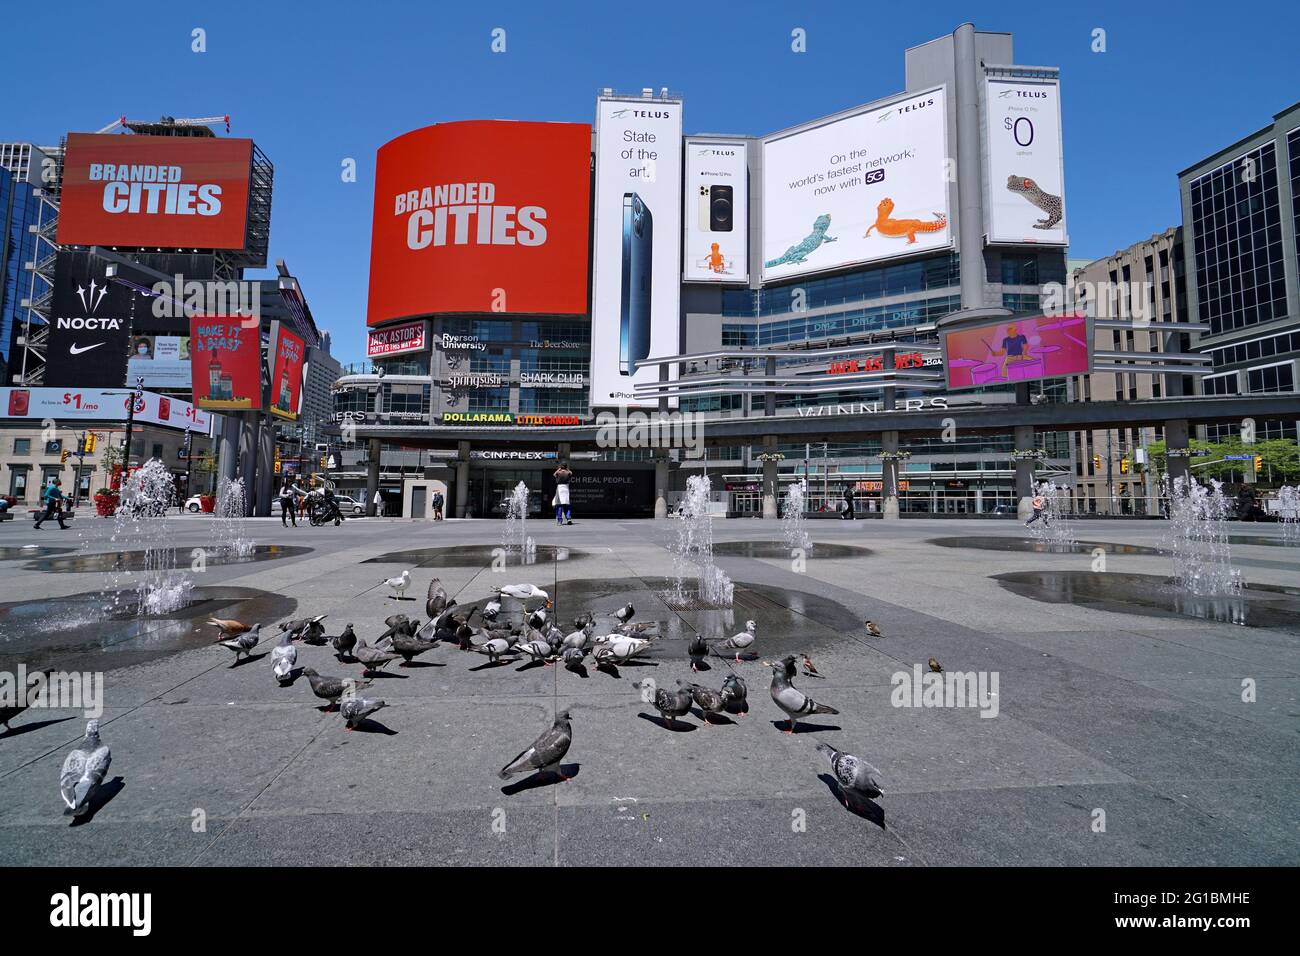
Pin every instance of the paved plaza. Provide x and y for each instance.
(1118, 734)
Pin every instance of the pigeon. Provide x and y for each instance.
(578, 638)
(538, 650)
(538, 618)
(332, 688)
(229, 628)
(638, 627)
(283, 656)
(522, 592)
(546, 751)
(583, 620)
(410, 647)
(709, 700)
(373, 658)
(936, 666)
(356, 709)
(873, 630)
(314, 632)
(854, 774)
(738, 642)
(10, 711)
(345, 642)
(671, 704)
(437, 599)
(616, 648)
(809, 668)
(83, 771)
(244, 643)
(624, 614)
(493, 648)
(735, 692)
(573, 657)
(698, 649)
(395, 619)
(399, 584)
(790, 698)
(491, 610)
(464, 637)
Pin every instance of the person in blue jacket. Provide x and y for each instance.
(52, 497)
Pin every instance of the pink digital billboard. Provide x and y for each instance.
(1017, 350)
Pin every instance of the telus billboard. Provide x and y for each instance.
(638, 245)
(1026, 187)
(856, 188)
(716, 213)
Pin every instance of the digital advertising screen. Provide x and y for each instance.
(716, 212)
(170, 192)
(1026, 168)
(226, 362)
(1017, 350)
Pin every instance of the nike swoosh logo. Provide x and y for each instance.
(73, 350)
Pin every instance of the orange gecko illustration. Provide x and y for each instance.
(715, 260)
(902, 227)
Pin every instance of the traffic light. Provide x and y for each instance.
(1096, 463)
(91, 441)
(1259, 464)
(322, 462)
(63, 457)
(1123, 466)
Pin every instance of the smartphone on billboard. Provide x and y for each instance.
(164, 408)
(638, 250)
(19, 402)
(715, 208)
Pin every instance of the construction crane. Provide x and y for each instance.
(169, 125)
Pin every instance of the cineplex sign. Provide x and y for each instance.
(509, 418)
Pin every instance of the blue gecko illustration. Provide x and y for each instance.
(800, 253)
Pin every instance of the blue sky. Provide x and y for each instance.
(316, 82)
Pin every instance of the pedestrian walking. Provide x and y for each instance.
(52, 498)
(288, 503)
(379, 504)
(847, 513)
(1039, 504)
(438, 502)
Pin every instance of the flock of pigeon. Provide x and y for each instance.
(507, 630)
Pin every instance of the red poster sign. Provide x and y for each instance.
(397, 339)
(226, 362)
(481, 216)
(286, 374)
(171, 192)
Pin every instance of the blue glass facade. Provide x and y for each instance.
(19, 209)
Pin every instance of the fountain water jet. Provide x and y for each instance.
(1288, 510)
(515, 536)
(1198, 518)
(1053, 528)
(793, 528)
(229, 525)
(141, 523)
(693, 551)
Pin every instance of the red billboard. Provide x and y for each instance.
(226, 362)
(170, 192)
(286, 372)
(481, 216)
(1017, 350)
(397, 339)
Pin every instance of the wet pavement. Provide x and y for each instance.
(1257, 606)
(1035, 546)
(475, 556)
(31, 551)
(83, 632)
(779, 549)
(119, 561)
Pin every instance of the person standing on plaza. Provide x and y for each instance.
(848, 503)
(288, 504)
(379, 504)
(563, 512)
(52, 497)
(438, 502)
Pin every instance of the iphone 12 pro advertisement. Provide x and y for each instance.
(635, 312)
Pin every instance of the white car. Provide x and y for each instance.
(192, 504)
